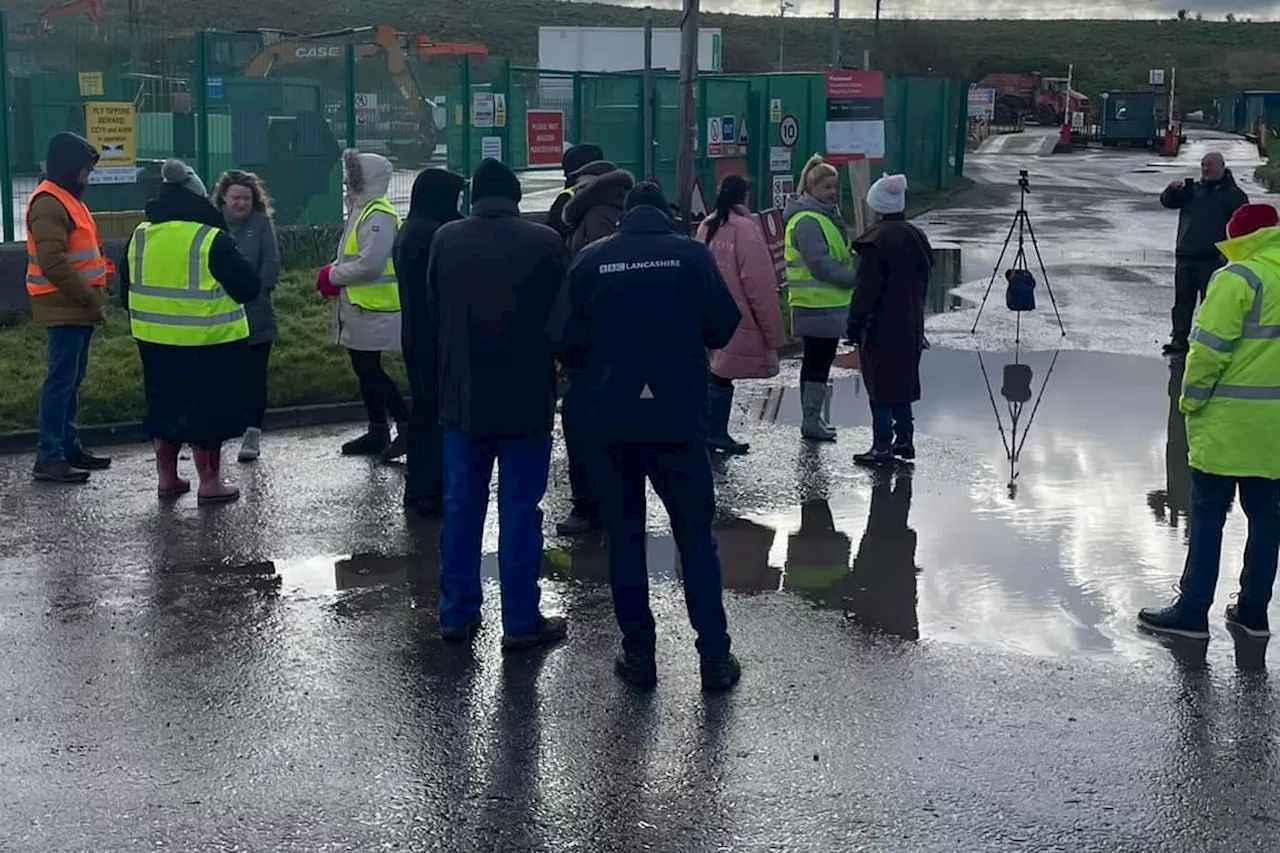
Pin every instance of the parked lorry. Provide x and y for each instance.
(1034, 97)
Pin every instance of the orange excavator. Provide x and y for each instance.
(92, 8)
(395, 46)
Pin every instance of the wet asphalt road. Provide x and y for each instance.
(935, 661)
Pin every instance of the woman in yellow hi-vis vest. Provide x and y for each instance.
(819, 285)
(362, 286)
(185, 285)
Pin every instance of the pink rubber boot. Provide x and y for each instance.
(209, 467)
(170, 485)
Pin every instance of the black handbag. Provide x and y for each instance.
(1020, 295)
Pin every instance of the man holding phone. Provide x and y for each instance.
(1205, 207)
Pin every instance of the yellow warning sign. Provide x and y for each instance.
(111, 127)
(91, 84)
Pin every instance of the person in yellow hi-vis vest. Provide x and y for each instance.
(1231, 401)
(820, 268)
(185, 285)
(362, 286)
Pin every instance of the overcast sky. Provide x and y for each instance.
(1212, 9)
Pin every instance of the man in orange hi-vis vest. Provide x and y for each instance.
(67, 282)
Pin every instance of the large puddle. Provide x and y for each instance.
(1048, 506)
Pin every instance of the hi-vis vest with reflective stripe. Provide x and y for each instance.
(173, 298)
(381, 294)
(1231, 384)
(803, 290)
(84, 249)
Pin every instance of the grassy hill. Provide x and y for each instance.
(1212, 58)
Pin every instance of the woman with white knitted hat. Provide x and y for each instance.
(886, 319)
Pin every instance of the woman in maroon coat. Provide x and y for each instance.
(886, 319)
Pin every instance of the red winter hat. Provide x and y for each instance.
(1250, 218)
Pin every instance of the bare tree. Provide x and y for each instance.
(1182, 14)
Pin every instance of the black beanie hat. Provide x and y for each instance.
(578, 156)
(647, 193)
(493, 179)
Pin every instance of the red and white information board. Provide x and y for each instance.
(770, 222)
(544, 130)
(855, 116)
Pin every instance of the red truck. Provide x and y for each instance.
(1033, 97)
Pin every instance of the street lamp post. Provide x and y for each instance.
(783, 7)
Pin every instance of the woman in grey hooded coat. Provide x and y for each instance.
(367, 334)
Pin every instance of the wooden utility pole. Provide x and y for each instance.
(837, 42)
(688, 116)
(647, 100)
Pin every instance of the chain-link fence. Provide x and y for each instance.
(285, 106)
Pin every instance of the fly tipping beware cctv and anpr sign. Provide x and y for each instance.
(111, 128)
(855, 116)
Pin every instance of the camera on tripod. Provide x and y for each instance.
(1020, 292)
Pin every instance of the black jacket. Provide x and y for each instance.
(178, 204)
(1205, 208)
(886, 317)
(493, 280)
(596, 208)
(434, 202)
(639, 311)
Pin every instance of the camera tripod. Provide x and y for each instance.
(1022, 224)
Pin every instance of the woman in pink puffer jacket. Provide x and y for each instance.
(740, 251)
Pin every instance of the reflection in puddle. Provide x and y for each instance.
(1016, 391)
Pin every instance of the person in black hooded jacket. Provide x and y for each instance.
(575, 157)
(194, 392)
(433, 203)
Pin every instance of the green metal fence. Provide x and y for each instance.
(286, 109)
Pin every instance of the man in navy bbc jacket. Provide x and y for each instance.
(637, 315)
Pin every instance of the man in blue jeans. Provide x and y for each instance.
(637, 316)
(67, 283)
(1231, 400)
(492, 281)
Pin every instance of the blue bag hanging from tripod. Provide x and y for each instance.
(1020, 294)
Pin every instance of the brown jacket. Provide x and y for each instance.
(75, 303)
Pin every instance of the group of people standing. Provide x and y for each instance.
(488, 337)
(197, 279)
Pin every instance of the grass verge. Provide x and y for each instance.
(307, 368)
(1268, 174)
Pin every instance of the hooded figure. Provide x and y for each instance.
(886, 318)
(362, 285)
(596, 206)
(194, 351)
(433, 203)
(574, 158)
(67, 284)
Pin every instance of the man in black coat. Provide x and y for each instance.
(1204, 208)
(492, 280)
(639, 311)
(572, 161)
(886, 319)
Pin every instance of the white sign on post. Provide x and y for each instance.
(783, 187)
(483, 109)
(1156, 77)
(779, 159)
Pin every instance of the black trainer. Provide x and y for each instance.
(86, 461)
(553, 630)
(904, 450)
(1251, 622)
(639, 670)
(1174, 622)
(876, 457)
(577, 525)
(720, 673)
(460, 633)
(1176, 347)
(372, 443)
(58, 472)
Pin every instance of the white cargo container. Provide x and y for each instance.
(603, 49)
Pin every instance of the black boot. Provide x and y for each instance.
(86, 461)
(1175, 620)
(721, 407)
(372, 443)
(878, 455)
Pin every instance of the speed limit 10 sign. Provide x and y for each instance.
(789, 130)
